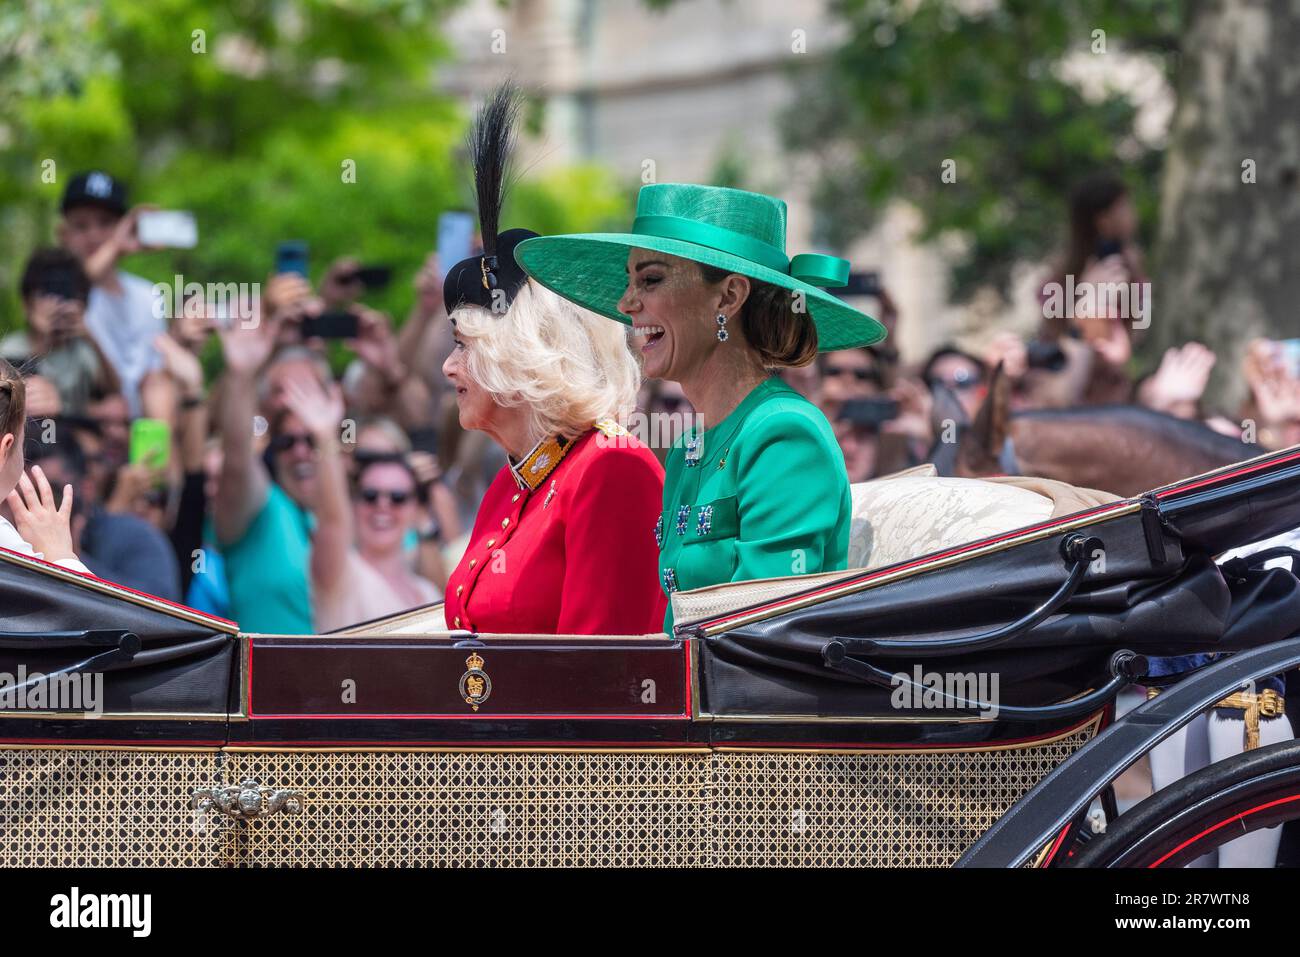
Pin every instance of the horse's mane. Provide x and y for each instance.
(1194, 434)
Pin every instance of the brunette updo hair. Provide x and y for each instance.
(782, 337)
(13, 400)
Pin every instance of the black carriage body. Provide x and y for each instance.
(730, 742)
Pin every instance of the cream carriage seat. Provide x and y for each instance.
(905, 516)
(895, 518)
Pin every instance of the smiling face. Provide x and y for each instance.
(478, 410)
(673, 313)
(384, 507)
(295, 459)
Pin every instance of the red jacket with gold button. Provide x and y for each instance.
(564, 543)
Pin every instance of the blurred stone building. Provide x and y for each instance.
(691, 93)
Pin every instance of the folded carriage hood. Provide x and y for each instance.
(184, 661)
(1234, 506)
(1159, 593)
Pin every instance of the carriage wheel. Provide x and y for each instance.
(1195, 815)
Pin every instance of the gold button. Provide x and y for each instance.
(459, 589)
(473, 562)
(515, 497)
(505, 522)
(491, 542)
(458, 621)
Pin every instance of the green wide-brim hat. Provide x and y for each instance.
(731, 229)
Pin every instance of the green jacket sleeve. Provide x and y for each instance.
(792, 496)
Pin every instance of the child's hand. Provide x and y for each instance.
(46, 528)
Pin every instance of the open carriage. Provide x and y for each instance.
(771, 729)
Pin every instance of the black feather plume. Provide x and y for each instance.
(491, 142)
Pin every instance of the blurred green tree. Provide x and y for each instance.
(296, 119)
(986, 84)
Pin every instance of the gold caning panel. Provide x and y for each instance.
(504, 808)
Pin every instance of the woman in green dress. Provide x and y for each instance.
(715, 304)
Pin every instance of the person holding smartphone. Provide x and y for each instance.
(98, 228)
(55, 344)
(1102, 253)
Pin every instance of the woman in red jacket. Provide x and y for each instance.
(561, 543)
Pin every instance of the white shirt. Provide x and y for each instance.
(124, 328)
(10, 539)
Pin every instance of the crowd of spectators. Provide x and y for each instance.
(294, 500)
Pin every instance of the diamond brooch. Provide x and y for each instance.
(704, 520)
(694, 446)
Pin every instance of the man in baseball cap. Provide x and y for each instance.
(98, 228)
(96, 189)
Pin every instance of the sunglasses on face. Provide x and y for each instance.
(958, 381)
(287, 440)
(371, 496)
(862, 375)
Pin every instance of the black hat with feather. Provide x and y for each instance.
(492, 279)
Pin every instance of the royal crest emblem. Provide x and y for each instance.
(475, 685)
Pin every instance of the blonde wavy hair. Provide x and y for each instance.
(568, 367)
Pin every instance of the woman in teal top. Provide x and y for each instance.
(716, 305)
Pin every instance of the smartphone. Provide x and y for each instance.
(424, 439)
(291, 256)
(455, 239)
(1289, 351)
(174, 228)
(873, 412)
(1108, 247)
(374, 277)
(59, 282)
(151, 443)
(1041, 354)
(330, 325)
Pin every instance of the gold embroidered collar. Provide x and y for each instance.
(531, 471)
